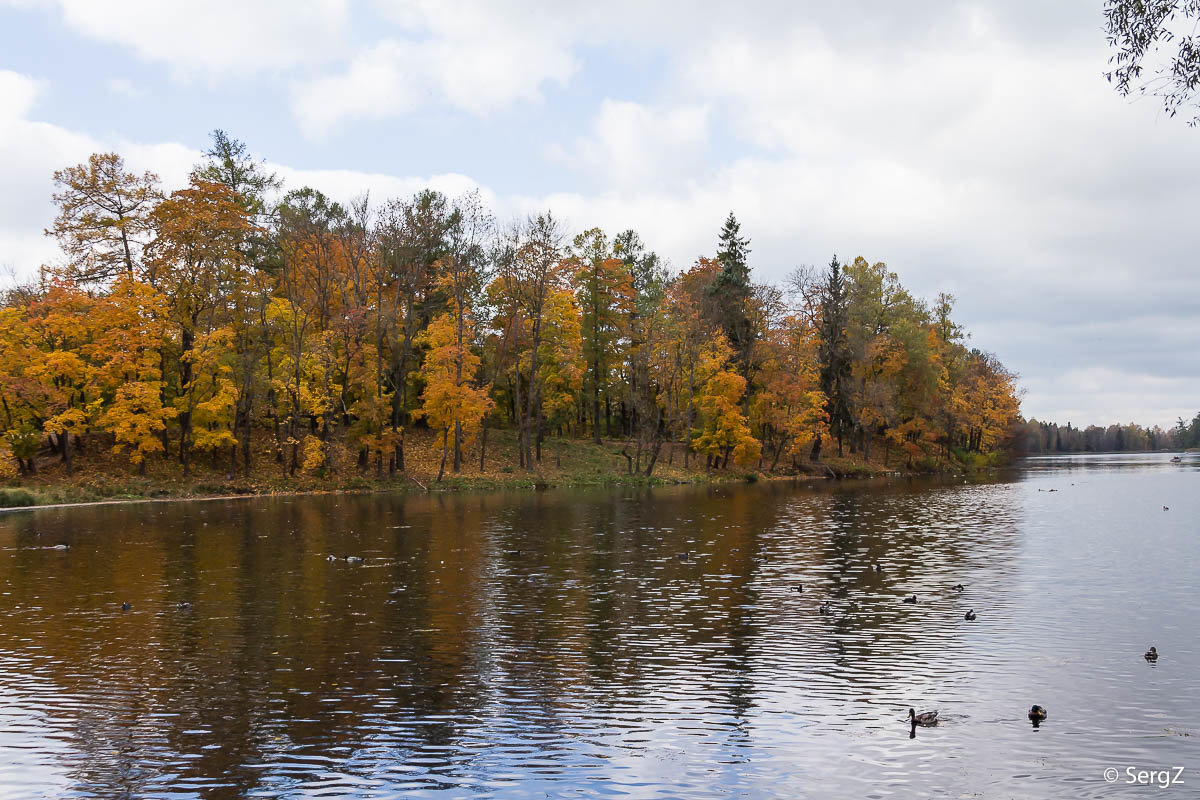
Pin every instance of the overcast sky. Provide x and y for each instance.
(974, 147)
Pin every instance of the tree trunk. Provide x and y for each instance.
(457, 447)
(778, 451)
(483, 444)
(445, 443)
(654, 455)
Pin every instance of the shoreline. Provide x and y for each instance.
(532, 483)
(103, 479)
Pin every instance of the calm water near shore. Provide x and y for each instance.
(631, 643)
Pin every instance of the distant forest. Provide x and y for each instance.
(1049, 437)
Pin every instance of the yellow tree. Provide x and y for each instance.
(723, 431)
(788, 407)
(449, 400)
(132, 325)
(62, 325)
(196, 253)
(560, 362)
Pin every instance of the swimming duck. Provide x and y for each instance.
(685, 556)
(970, 615)
(878, 568)
(958, 587)
(185, 606)
(125, 606)
(1152, 654)
(825, 608)
(1037, 713)
(354, 559)
(911, 600)
(331, 557)
(925, 718)
(1166, 508)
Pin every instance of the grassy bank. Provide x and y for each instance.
(99, 475)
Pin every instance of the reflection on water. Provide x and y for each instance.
(651, 644)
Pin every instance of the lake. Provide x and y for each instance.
(622, 643)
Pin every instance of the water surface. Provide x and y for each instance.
(611, 644)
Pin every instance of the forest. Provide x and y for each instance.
(1049, 437)
(238, 325)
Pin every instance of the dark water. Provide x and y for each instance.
(556, 643)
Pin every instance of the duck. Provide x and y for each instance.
(1037, 713)
(798, 588)
(925, 718)
(970, 615)
(685, 555)
(1166, 508)
(68, 547)
(958, 587)
(1151, 654)
(184, 606)
(126, 606)
(877, 568)
(354, 559)
(912, 601)
(825, 608)
(331, 557)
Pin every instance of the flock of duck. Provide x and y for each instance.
(928, 719)
(925, 719)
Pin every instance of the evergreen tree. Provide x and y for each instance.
(731, 288)
(834, 352)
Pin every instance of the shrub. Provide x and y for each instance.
(15, 498)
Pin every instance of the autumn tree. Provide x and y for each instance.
(722, 430)
(605, 293)
(531, 268)
(449, 400)
(103, 220)
(644, 328)
(463, 272)
(196, 253)
(228, 162)
(127, 354)
(732, 291)
(411, 239)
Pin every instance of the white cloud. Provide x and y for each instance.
(468, 57)
(221, 38)
(633, 145)
(30, 152)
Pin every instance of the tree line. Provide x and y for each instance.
(231, 319)
(1049, 437)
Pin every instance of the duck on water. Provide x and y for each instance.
(926, 719)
